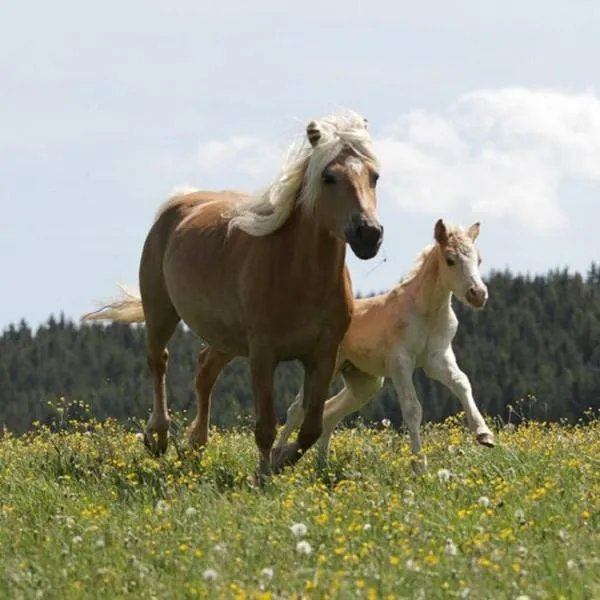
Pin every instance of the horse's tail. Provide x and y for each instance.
(127, 310)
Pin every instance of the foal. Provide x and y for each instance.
(262, 277)
(410, 326)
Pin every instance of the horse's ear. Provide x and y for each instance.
(365, 122)
(473, 231)
(441, 232)
(313, 133)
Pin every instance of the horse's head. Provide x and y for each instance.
(459, 262)
(340, 182)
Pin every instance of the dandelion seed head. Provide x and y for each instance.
(303, 547)
(299, 529)
(209, 575)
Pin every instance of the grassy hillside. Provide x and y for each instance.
(86, 513)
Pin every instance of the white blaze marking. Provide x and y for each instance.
(355, 164)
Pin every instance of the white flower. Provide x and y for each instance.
(451, 548)
(139, 436)
(386, 423)
(411, 565)
(303, 547)
(299, 529)
(464, 592)
(563, 535)
(522, 597)
(70, 522)
(444, 474)
(367, 527)
(162, 506)
(484, 501)
(267, 573)
(522, 551)
(77, 539)
(100, 543)
(209, 575)
(190, 511)
(520, 515)
(571, 564)
(408, 496)
(220, 548)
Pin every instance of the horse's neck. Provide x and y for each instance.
(426, 287)
(318, 249)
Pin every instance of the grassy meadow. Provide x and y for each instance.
(86, 513)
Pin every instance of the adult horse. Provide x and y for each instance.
(260, 276)
(410, 326)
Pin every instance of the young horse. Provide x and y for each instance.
(411, 326)
(261, 277)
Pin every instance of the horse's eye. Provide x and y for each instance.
(450, 262)
(374, 179)
(328, 178)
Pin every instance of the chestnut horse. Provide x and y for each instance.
(410, 326)
(260, 276)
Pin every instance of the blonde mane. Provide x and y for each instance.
(300, 178)
(453, 230)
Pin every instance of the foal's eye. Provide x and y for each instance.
(328, 178)
(374, 179)
(450, 262)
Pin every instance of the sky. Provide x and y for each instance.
(479, 110)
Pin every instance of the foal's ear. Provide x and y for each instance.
(365, 122)
(313, 133)
(441, 233)
(473, 231)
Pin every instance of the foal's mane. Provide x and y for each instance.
(300, 177)
(454, 231)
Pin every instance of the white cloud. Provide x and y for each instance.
(496, 153)
(501, 154)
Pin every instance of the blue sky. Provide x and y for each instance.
(484, 111)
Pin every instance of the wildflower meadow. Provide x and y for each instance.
(86, 512)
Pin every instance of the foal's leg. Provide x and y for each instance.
(317, 377)
(359, 389)
(159, 330)
(295, 414)
(442, 366)
(262, 368)
(401, 372)
(210, 364)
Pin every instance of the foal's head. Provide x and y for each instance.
(459, 262)
(340, 182)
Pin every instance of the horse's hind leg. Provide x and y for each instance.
(161, 321)
(210, 364)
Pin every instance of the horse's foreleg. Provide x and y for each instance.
(401, 370)
(317, 377)
(262, 368)
(210, 364)
(443, 368)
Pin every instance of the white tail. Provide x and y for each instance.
(127, 310)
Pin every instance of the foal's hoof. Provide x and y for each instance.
(486, 439)
(156, 443)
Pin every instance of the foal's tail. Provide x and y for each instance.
(127, 310)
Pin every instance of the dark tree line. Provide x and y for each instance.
(535, 347)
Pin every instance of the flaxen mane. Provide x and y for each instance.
(300, 176)
(455, 231)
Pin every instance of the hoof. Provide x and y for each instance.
(419, 465)
(486, 439)
(156, 443)
(197, 442)
(284, 456)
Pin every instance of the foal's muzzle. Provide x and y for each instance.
(364, 237)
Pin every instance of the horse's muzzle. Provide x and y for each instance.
(364, 237)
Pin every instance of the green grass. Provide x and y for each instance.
(86, 513)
